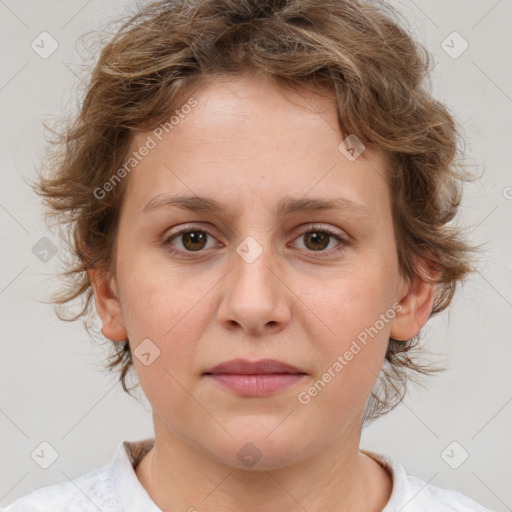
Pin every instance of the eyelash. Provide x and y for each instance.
(311, 229)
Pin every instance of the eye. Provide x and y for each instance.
(318, 238)
(192, 239)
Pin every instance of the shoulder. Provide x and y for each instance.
(427, 497)
(89, 492)
(412, 494)
(110, 488)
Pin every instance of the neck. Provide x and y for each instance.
(179, 476)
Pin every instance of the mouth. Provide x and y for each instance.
(253, 379)
(261, 367)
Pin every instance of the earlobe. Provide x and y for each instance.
(108, 304)
(417, 304)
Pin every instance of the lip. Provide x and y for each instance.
(261, 367)
(253, 379)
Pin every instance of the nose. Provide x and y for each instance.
(254, 296)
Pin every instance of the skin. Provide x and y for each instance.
(247, 144)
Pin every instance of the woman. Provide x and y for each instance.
(259, 194)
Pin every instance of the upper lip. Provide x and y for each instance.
(245, 367)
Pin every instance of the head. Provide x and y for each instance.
(268, 110)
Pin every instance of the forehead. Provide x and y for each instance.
(247, 139)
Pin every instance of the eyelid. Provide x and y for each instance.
(312, 226)
(304, 228)
(185, 229)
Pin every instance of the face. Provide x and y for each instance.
(252, 280)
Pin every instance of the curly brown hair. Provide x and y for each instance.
(357, 51)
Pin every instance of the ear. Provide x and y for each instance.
(417, 302)
(108, 304)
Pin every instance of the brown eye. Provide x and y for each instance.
(194, 240)
(317, 240)
(189, 240)
(320, 240)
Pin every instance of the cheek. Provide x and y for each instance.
(158, 296)
(170, 309)
(351, 330)
(349, 365)
(347, 304)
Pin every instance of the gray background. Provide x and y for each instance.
(53, 388)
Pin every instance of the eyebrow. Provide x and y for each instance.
(287, 205)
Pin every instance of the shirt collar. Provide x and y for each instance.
(131, 495)
(399, 492)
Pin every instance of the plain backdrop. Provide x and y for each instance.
(53, 388)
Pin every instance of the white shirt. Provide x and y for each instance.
(115, 488)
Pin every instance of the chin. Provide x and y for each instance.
(259, 448)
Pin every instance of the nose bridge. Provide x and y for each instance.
(253, 263)
(254, 298)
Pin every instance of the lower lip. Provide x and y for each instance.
(256, 385)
